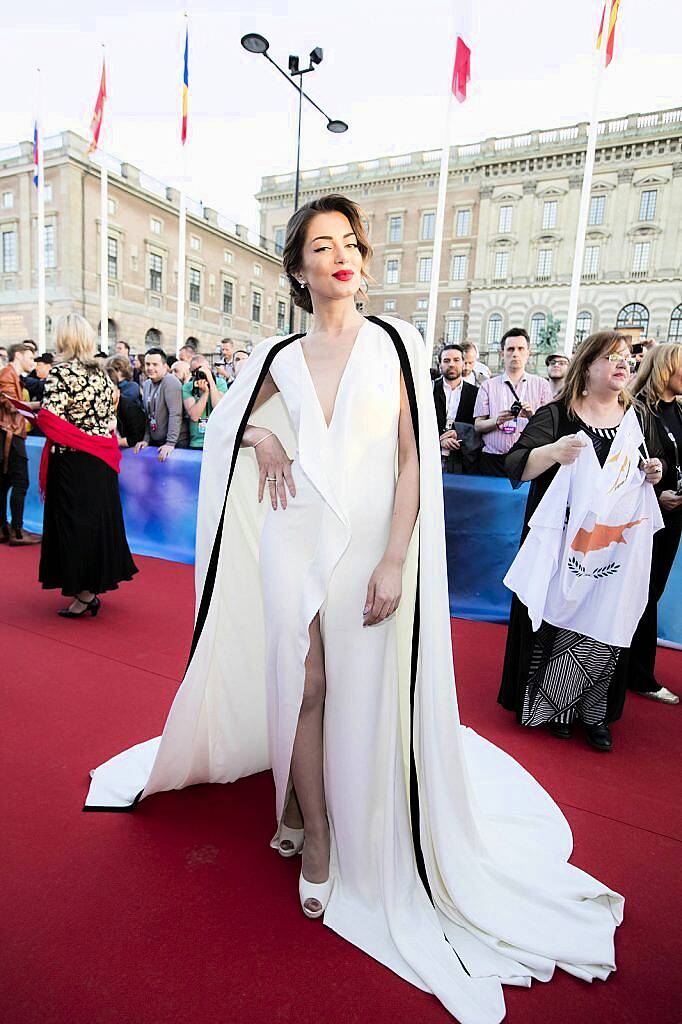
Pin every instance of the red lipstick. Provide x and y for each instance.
(344, 275)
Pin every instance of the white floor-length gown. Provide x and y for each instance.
(450, 862)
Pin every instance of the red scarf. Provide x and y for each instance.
(59, 431)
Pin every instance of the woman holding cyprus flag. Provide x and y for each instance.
(582, 571)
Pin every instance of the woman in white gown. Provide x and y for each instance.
(425, 845)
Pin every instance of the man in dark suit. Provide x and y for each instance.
(454, 400)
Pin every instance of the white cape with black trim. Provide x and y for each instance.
(450, 862)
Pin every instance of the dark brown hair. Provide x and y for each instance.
(603, 343)
(292, 256)
(121, 365)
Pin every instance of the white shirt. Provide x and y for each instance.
(452, 398)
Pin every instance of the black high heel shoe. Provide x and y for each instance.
(90, 606)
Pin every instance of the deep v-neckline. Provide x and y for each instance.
(341, 378)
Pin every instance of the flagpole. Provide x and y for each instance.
(438, 234)
(104, 247)
(182, 226)
(585, 195)
(40, 234)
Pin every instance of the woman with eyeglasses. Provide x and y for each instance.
(556, 677)
(658, 386)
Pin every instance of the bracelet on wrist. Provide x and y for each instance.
(264, 438)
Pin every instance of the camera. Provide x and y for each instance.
(198, 375)
(516, 408)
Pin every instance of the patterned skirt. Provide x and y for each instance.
(568, 678)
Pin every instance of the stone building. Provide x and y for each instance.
(234, 281)
(511, 215)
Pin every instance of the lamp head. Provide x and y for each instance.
(255, 43)
(338, 127)
(293, 64)
(316, 55)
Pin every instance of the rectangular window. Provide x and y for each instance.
(194, 285)
(50, 255)
(155, 272)
(463, 224)
(424, 274)
(395, 229)
(112, 257)
(544, 263)
(256, 305)
(591, 260)
(155, 225)
(428, 226)
(228, 297)
(389, 305)
(392, 271)
(47, 192)
(455, 303)
(257, 270)
(501, 268)
(549, 215)
(640, 262)
(505, 219)
(453, 332)
(459, 268)
(281, 316)
(194, 243)
(420, 324)
(8, 200)
(279, 240)
(111, 206)
(647, 205)
(228, 257)
(422, 303)
(9, 251)
(596, 215)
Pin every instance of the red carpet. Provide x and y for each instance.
(181, 913)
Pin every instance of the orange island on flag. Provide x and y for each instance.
(601, 536)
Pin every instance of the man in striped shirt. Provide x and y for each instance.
(505, 403)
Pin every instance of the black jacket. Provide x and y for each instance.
(465, 412)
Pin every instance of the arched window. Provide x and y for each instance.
(113, 331)
(494, 330)
(538, 322)
(634, 315)
(675, 328)
(152, 338)
(583, 326)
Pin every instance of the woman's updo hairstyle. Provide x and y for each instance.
(297, 228)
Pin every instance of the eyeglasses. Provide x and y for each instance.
(618, 357)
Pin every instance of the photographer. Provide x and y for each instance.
(505, 403)
(200, 396)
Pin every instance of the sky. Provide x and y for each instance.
(386, 72)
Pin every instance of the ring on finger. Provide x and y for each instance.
(271, 479)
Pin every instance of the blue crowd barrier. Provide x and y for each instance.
(483, 518)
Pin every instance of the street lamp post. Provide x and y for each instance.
(255, 43)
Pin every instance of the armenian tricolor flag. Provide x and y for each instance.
(35, 153)
(611, 30)
(96, 123)
(185, 88)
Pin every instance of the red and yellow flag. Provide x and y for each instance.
(96, 123)
(185, 89)
(610, 29)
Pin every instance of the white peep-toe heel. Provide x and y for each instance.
(293, 835)
(320, 891)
